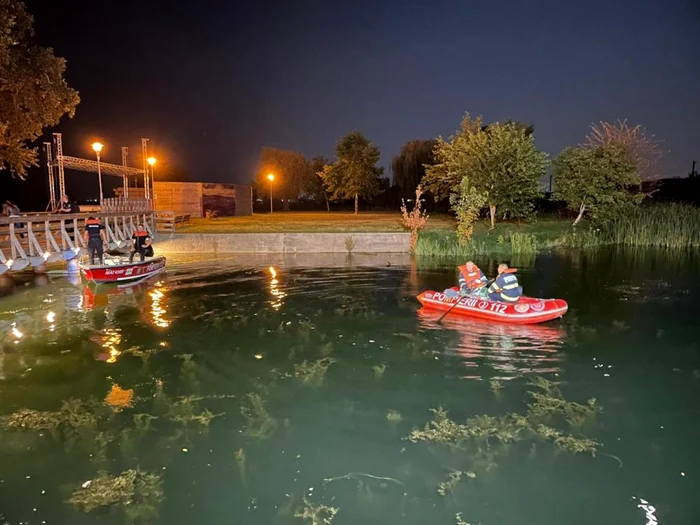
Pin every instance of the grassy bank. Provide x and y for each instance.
(661, 225)
(309, 222)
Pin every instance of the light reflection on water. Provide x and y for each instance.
(509, 349)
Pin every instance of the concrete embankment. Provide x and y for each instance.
(262, 243)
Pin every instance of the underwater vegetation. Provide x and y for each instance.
(316, 514)
(138, 493)
(313, 373)
(261, 425)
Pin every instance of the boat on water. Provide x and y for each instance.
(527, 310)
(120, 270)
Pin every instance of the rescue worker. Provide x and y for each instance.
(505, 288)
(95, 238)
(470, 278)
(141, 244)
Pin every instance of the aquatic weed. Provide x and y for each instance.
(495, 386)
(313, 373)
(394, 416)
(316, 514)
(239, 455)
(260, 424)
(379, 370)
(448, 486)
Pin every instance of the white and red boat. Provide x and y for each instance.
(119, 270)
(527, 310)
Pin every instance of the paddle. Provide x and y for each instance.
(488, 283)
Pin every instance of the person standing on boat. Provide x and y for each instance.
(141, 244)
(505, 288)
(470, 278)
(95, 238)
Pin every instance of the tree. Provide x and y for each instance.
(641, 148)
(292, 172)
(408, 167)
(33, 92)
(415, 219)
(602, 181)
(466, 203)
(499, 159)
(355, 173)
(314, 186)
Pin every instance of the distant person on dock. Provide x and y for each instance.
(470, 278)
(141, 244)
(68, 206)
(95, 238)
(12, 210)
(505, 288)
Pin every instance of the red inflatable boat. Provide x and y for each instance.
(527, 310)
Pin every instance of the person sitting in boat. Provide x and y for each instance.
(470, 278)
(505, 288)
(95, 238)
(141, 244)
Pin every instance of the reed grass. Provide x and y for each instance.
(675, 226)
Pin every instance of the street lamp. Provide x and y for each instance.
(152, 162)
(270, 177)
(97, 147)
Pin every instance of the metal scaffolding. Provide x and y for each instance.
(57, 162)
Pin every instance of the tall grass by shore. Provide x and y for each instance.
(659, 225)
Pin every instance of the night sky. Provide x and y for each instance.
(211, 82)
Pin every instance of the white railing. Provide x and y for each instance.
(40, 238)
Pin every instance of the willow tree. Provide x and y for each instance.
(500, 160)
(355, 173)
(33, 93)
(408, 167)
(291, 171)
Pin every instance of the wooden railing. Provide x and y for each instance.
(165, 221)
(120, 204)
(40, 238)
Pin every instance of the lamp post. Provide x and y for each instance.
(270, 177)
(152, 162)
(97, 147)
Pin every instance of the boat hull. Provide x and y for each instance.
(527, 310)
(120, 273)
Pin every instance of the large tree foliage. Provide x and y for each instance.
(291, 170)
(602, 181)
(639, 147)
(408, 167)
(467, 202)
(355, 172)
(314, 186)
(33, 92)
(500, 160)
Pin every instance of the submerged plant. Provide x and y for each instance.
(379, 370)
(316, 514)
(260, 424)
(239, 455)
(313, 373)
(549, 401)
(496, 386)
(138, 493)
(393, 416)
(448, 486)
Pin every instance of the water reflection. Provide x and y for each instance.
(512, 350)
(158, 312)
(278, 295)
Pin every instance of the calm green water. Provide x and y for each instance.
(220, 332)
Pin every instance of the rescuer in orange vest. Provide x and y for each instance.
(94, 236)
(470, 278)
(141, 244)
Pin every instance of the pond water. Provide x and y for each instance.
(245, 391)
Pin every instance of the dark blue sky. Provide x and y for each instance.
(211, 82)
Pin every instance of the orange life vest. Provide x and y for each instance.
(473, 278)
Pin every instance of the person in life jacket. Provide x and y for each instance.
(141, 244)
(94, 236)
(470, 278)
(505, 288)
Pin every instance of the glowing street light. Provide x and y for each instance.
(151, 162)
(97, 147)
(270, 177)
